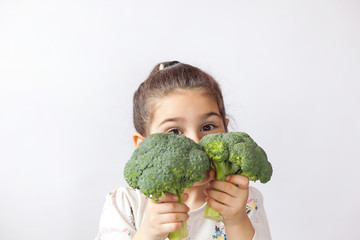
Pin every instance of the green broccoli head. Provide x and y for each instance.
(166, 162)
(237, 153)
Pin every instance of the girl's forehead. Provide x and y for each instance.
(184, 97)
(184, 103)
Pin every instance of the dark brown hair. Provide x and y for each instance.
(163, 79)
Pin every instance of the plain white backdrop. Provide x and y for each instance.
(289, 71)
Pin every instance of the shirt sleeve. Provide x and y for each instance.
(120, 215)
(256, 213)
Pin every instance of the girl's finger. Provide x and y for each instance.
(170, 207)
(219, 207)
(172, 218)
(169, 197)
(225, 187)
(218, 196)
(171, 227)
(239, 180)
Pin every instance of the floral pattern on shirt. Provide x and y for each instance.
(251, 206)
(251, 209)
(132, 217)
(219, 233)
(126, 230)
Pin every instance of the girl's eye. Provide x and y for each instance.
(175, 131)
(207, 127)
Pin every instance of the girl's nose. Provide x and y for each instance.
(195, 137)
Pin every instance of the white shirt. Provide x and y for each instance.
(124, 210)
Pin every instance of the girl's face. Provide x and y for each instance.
(191, 112)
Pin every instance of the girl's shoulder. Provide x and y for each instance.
(123, 210)
(127, 196)
(128, 191)
(254, 191)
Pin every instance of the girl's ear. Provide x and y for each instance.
(137, 138)
(227, 122)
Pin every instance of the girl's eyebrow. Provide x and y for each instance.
(171, 120)
(179, 119)
(207, 115)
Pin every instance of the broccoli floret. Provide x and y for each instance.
(235, 153)
(165, 162)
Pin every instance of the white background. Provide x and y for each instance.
(289, 71)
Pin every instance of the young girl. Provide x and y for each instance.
(182, 99)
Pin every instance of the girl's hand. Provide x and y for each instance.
(229, 198)
(163, 217)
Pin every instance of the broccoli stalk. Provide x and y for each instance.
(166, 162)
(235, 153)
(182, 233)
